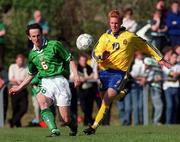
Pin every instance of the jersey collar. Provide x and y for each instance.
(45, 42)
(116, 34)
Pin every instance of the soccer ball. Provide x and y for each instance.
(84, 41)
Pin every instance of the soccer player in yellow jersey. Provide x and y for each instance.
(114, 54)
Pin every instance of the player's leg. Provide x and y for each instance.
(36, 120)
(63, 101)
(109, 95)
(68, 119)
(107, 100)
(112, 83)
(46, 113)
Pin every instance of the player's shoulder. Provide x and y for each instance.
(54, 43)
(128, 34)
(32, 54)
(103, 36)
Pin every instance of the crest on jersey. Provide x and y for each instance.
(125, 42)
(41, 58)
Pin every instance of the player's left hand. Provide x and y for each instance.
(105, 55)
(164, 63)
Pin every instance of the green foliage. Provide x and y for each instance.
(67, 18)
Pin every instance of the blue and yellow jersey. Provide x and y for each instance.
(122, 48)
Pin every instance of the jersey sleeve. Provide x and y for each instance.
(35, 80)
(99, 49)
(146, 48)
(63, 52)
(32, 70)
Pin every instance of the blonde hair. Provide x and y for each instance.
(115, 14)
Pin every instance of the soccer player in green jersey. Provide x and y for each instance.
(50, 61)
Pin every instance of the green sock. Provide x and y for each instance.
(49, 119)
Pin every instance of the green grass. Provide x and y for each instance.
(104, 134)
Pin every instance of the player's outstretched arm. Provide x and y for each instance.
(75, 72)
(15, 90)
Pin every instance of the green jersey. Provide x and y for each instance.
(2, 27)
(52, 60)
(35, 85)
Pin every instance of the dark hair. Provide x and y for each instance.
(175, 1)
(83, 55)
(20, 56)
(174, 53)
(167, 49)
(33, 26)
(128, 10)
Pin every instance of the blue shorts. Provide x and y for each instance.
(111, 79)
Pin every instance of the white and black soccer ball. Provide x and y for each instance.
(84, 41)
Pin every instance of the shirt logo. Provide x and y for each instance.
(125, 42)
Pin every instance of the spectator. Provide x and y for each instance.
(158, 31)
(3, 88)
(167, 52)
(2, 40)
(39, 19)
(17, 73)
(171, 89)
(125, 109)
(153, 74)
(177, 50)
(173, 24)
(136, 91)
(44, 24)
(86, 90)
(160, 6)
(128, 22)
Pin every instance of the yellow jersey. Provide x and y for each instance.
(122, 48)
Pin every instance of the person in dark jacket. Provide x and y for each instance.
(173, 24)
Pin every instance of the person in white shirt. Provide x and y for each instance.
(153, 75)
(128, 22)
(171, 88)
(17, 73)
(133, 102)
(137, 72)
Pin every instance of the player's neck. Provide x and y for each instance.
(38, 48)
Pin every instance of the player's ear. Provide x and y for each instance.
(29, 37)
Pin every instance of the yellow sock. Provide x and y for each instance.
(100, 115)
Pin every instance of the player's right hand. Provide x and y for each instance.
(13, 90)
(105, 55)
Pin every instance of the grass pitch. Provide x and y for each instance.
(104, 134)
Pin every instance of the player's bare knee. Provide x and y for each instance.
(43, 105)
